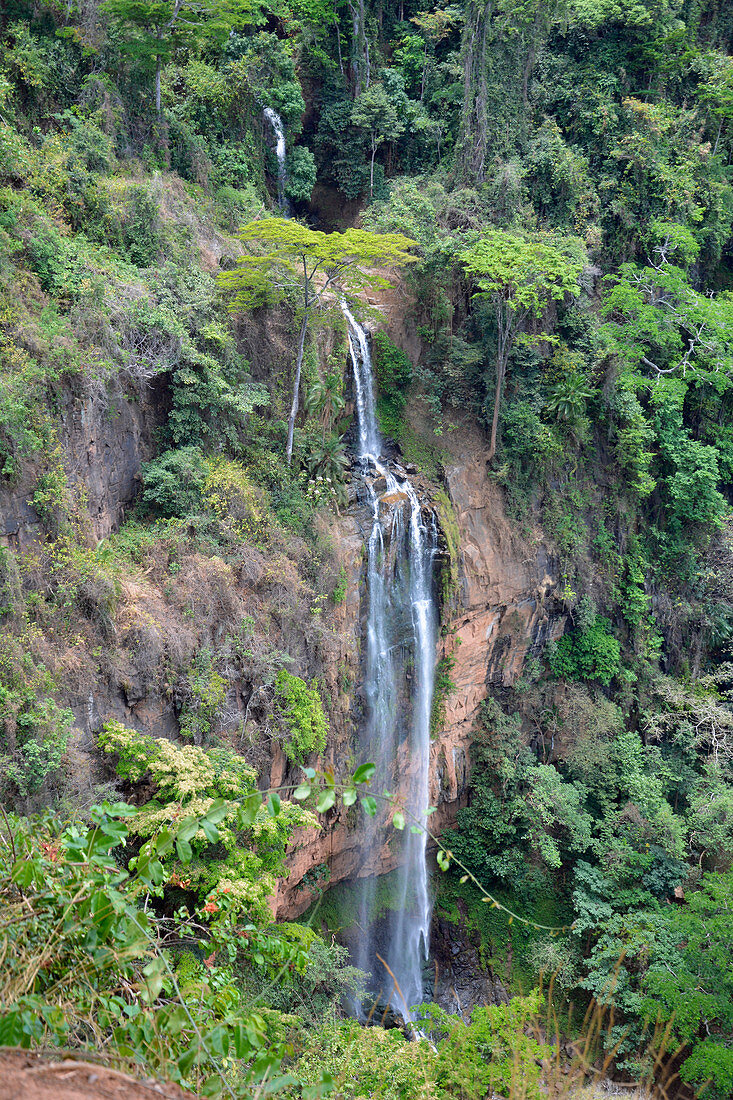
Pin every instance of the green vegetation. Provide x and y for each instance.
(302, 712)
(554, 185)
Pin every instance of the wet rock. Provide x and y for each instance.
(459, 981)
(394, 498)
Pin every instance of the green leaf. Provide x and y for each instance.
(210, 831)
(398, 820)
(154, 973)
(349, 796)
(250, 808)
(363, 773)
(369, 805)
(184, 850)
(217, 811)
(187, 829)
(325, 801)
(302, 792)
(186, 1060)
(273, 804)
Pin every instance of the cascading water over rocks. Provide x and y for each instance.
(402, 622)
(279, 131)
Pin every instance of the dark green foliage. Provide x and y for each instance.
(174, 482)
(588, 654)
(301, 174)
(393, 373)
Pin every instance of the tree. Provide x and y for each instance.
(657, 319)
(324, 398)
(157, 27)
(375, 113)
(519, 278)
(285, 259)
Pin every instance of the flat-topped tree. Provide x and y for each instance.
(285, 259)
(519, 276)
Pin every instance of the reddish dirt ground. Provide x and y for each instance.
(25, 1076)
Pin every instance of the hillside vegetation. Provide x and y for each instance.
(550, 182)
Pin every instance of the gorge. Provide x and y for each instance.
(366, 462)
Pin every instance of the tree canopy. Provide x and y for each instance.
(519, 277)
(285, 259)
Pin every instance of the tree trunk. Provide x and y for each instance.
(505, 334)
(474, 127)
(296, 388)
(371, 170)
(500, 375)
(158, 67)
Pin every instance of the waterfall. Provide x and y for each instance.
(401, 626)
(279, 131)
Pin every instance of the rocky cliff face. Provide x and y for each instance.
(103, 443)
(502, 611)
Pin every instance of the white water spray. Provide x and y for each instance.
(279, 131)
(401, 622)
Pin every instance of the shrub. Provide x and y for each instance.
(393, 372)
(591, 654)
(174, 482)
(34, 730)
(301, 179)
(141, 227)
(302, 713)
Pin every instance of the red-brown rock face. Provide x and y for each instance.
(503, 610)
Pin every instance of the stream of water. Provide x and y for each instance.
(279, 131)
(402, 622)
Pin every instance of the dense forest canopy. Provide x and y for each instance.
(550, 185)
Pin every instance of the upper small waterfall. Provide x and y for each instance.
(279, 131)
(401, 637)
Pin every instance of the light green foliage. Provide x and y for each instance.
(450, 577)
(369, 1062)
(34, 729)
(206, 693)
(661, 324)
(493, 1055)
(443, 689)
(283, 257)
(588, 654)
(187, 782)
(108, 983)
(301, 711)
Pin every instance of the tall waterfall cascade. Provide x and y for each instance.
(279, 131)
(401, 636)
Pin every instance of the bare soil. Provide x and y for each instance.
(27, 1076)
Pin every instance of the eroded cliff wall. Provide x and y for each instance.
(502, 610)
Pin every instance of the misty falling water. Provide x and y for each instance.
(401, 636)
(279, 131)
